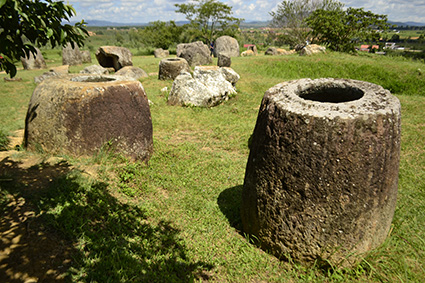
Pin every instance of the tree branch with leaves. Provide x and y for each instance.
(161, 34)
(339, 30)
(209, 19)
(291, 15)
(37, 22)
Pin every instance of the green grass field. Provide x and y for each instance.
(177, 219)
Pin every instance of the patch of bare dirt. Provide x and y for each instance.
(29, 252)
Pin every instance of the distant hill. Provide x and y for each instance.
(414, 24)
(250, 24)
(97, 23)
(255, 24)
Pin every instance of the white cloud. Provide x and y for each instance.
(396, 10)
(142, 11)
(235, 3)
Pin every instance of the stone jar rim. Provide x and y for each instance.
(88, 79)
(364, 98)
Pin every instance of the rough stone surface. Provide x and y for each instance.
(53, 72)
(322, 173)
(95, 70)
(78, 115)
(247, 53)
(224, 60)
(226, 44)
(161, 53)
(253, 48)
(278, 51)
(312, 49)
(114, 56)
(71, 56)
(230, 75)
(281, 51)
(86, 56)
(170, 68)
(271, 51)
(62, 70)
(132, 72)
(195, 53)
(208, 87)
(31, 62)
(299, 47)
(44, 76)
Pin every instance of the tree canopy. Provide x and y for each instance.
(161, 34)
(339, 29)
(208, 19)
(292, 14)
(25, 24)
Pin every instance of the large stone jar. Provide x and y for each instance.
(114, 56)
(170, 68)
(322, 174)
(78, 115)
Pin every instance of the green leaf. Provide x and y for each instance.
(62, 36)
(2, 2)
(49, 33)
(24, 16)
(12, 71)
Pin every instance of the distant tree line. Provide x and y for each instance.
(407, 27)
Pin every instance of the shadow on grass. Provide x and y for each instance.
(28, 249)
(60, 226)
(229, 202)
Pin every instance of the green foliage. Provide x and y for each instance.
(395, 38)
(127, 179)
(161, 34)
(209, 19)
(291, 15)
(119, 38)
(36, 21)
(339, 29)
(134, 37)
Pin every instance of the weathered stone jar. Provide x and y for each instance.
(78, 115)
(170, 68)
(322, 174)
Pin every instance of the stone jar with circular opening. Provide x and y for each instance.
(170, 68)
(79, 115)
(322, 173)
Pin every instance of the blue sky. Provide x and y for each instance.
(144, 11)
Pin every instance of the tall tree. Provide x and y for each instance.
(161, 34)
(292, 14)
(38, 22)
(209, 19)
(340, 29)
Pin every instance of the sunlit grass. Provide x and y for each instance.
(177, 219)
